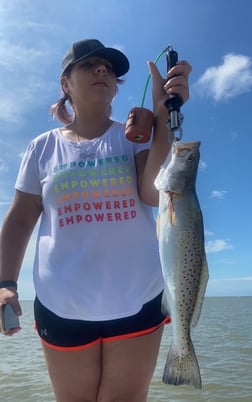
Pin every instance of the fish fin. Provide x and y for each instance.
(182, 368)
(165, 310)
(201, 292)
(171, 211)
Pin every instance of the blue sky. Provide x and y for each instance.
(213, 35)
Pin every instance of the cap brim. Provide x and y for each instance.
(119, 61)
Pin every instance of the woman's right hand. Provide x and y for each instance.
(16, 231)
(10, 296)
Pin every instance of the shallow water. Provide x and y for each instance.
(222, 339)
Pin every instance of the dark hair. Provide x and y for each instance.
(58, 110)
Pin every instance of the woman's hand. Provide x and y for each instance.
(9, 296)
(176, 83)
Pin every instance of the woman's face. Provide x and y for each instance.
(91, 80)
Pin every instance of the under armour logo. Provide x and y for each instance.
(43, 332)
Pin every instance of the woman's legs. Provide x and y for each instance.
(127, 368)
(107, 361)
(75, 375)
(116, 371)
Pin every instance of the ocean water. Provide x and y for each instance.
(222, 340)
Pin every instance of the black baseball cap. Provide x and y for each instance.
(92, 47)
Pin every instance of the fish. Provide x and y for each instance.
(180, 231)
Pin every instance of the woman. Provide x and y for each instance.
(97, 274)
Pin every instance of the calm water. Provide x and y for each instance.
(222, 339)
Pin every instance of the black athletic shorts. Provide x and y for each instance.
(67, 334)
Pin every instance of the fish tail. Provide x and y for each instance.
(182, 368)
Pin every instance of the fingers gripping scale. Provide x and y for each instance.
(140, 120)
(174, 102)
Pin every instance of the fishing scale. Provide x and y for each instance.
(141, 120)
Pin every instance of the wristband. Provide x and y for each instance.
(8, 284)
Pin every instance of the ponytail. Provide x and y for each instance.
(59, 111)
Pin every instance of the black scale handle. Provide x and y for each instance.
(174, 102)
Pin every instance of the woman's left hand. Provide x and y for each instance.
(176, 83)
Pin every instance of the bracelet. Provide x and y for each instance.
(8, 284)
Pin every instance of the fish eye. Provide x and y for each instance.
(182, 153)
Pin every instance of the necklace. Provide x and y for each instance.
(71, 133)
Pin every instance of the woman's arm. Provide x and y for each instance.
(15, 234)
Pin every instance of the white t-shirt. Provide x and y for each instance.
(97, 253)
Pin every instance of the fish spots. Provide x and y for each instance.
(182, 255)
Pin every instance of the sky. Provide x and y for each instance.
(213, 35)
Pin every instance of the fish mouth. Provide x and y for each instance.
(172, 193)
(187, 145)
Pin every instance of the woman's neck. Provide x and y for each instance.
(90, 127)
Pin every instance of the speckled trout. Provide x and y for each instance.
(183, 259)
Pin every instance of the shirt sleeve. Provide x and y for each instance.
(28, 179)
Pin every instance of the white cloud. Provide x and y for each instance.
(243, 278)
(16, 55)
(24, 64)
(228, 80)
(202, 165)
(218, 194)
(216, 246)
(16, 101)
(208, 233)
(4, 203)
(227, 262)
(240, 286)
(3, 167)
